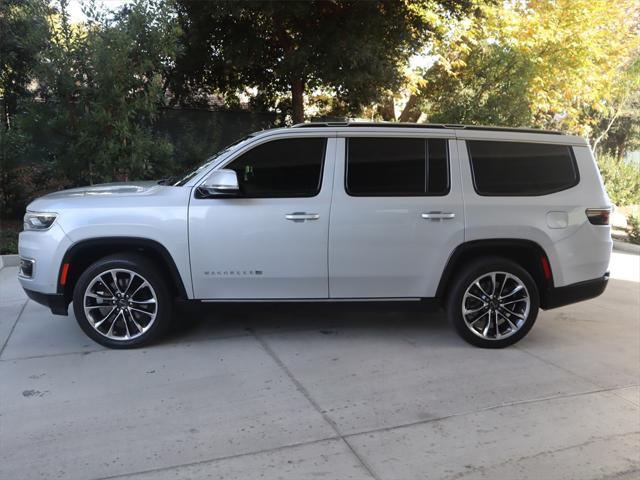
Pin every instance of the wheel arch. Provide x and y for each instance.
(527, 253)
(83, 253)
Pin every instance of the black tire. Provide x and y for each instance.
(466, 279)
(144, 270)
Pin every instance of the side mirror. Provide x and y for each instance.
(220, 183)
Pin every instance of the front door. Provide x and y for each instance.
(270, 242)
(397, 215)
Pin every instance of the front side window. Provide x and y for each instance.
(388, 167)
(518, 168)
(290, 167)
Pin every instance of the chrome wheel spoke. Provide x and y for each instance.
(511, 324)
(473, 322)
(114, 278)
(113, 323)
(106, 285)
(504, 282)
(133, 319)
(477, 284)
(98, 296)
(512, 301)
(485, 332)
(471, 295)
(104, 319)
(142, 285)
(141, 311)
(126, 324)
(132, 282)
(149, 301)
(513, 292)
(104, 305)
(519, 315)
(475, 310)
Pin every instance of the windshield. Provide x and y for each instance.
(209, 161)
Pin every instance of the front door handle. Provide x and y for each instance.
(301, 216)
(438, 215)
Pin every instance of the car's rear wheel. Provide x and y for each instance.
(493, 303)
(122, 301)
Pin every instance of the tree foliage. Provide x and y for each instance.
(356, 49)
(621, 179)
(545, 63)
(24, 33)
(105, 81)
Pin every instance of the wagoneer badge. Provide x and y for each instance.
(233, 273)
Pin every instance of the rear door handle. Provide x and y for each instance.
(438, 215)
(301, 216)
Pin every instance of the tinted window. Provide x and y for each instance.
(282, 168)
(397, 166)
(514, 168)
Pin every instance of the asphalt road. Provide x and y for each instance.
(330, 391)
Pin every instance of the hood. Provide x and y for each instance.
(106, 190)
(97, 196)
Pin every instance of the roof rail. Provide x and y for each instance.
(423, 125)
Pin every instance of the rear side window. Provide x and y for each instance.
(290, 167)
(517, 169)
(388, 167)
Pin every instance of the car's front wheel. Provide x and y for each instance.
(122, 301)
(493, 303)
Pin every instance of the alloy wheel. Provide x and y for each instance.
(120, 304)
(496, 305)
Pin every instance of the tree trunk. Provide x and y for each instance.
(411, 112)
(387, 110)
(297, 100)
(10, 109)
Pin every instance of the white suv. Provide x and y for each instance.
(492, 223)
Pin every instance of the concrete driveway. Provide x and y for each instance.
(332, 392)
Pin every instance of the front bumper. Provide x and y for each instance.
(44, 251)
(55, 301)
(576, 292)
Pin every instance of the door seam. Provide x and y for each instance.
(333, 178)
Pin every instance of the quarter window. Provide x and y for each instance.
(517, 168)
(290, 167)
(397, 167)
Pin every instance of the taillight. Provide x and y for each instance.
(598, 216)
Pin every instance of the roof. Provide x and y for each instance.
(423, 125)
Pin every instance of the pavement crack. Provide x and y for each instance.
(549, 362)
(484, 469)
(215, 459)
(301, 388)
(486, 409)
(13, 327)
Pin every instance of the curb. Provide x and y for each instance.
(626, 247)
(9, 261)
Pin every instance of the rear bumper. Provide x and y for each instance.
(55, 301)
(576, 292)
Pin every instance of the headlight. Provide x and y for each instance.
(39, 220)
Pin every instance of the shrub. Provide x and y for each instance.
(633, 228)
(9, 237)
(621, 179)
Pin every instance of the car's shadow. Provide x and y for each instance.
(194, 321)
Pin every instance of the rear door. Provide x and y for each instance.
(396, 216)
